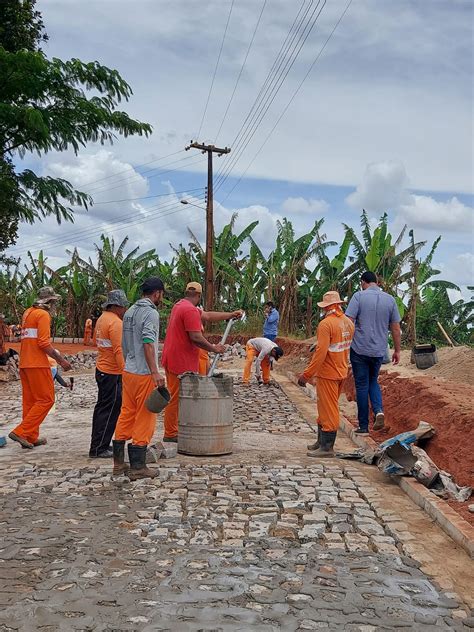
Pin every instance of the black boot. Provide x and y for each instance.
(138, 468)
(315, 446)
(325, 450)
(120, 467)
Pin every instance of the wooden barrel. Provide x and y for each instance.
(206, 415)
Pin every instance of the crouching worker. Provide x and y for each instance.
(141, 324)
(329, 366)
(260, 350)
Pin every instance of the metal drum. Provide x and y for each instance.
(206, 415)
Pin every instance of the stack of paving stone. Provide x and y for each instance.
(82, 360)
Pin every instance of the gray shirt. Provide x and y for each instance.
(141, 324)
(264, 348)
(373, 311)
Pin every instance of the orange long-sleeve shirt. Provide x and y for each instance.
(108, 337)
(35, 337)
(331, 358)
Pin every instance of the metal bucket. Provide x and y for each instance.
(425, 356)
(205, 415)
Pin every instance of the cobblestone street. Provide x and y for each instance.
(263, 539)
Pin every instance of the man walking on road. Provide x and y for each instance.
(141, 325)
(181, 351)
(272, 318)
(35, 373)
(374, 313)
(108, 374)
(329, 365)
(262, 351)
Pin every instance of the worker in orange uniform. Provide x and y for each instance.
(181, 351)
(88, 332)
(262, 350)
(329, 365)
(108, 374)
(35, 373)
(141, 326)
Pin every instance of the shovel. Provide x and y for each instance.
(223, 339)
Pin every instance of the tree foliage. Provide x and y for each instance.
(295, 275)
(50, 105)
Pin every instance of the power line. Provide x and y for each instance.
(215, 71)
(143, 164)
(285, 109)
(241, 69)
(268, 77)
(265, 106)
(87, 232)
(138, 176)
(148, 197)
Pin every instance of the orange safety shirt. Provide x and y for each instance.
(331, 358)
(35, 337)
(108, 337)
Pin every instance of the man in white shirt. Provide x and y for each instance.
(260, 350)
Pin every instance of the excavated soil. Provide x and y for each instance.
(65, 349)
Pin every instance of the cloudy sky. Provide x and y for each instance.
(383, 120)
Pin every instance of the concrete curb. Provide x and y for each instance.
(447, 518)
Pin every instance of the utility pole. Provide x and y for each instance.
(209, 274)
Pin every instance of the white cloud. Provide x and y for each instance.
(383, 188)
(424, 211)
(303, 206)
(459, 269)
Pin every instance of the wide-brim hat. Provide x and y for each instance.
(158, 399)
(331, 298)
(46, 295)
(116, 297)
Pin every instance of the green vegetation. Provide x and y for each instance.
(48, 105)
(295, 276)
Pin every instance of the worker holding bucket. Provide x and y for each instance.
(182, 348)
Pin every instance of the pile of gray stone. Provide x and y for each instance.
(82, 360)
(10, 371)
(232, 351)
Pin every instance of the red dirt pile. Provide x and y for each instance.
(447, 406)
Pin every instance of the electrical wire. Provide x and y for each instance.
(268, 78)
(241, 69)
(148, 197)
(265, 106)
(285, 109)
(139, 177)
(85, 233)
(215, 70)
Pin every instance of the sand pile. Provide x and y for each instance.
(456, 364)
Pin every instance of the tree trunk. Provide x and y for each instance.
(309, 316)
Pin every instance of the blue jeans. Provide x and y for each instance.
(366, 373)
(270, 337)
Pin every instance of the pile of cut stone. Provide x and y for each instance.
(233, 351)
(10, 372)
(82, 360)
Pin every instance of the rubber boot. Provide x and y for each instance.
(138, 468)
(120, 467)
(317, 443)
(326, 448)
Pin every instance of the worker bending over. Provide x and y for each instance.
(182, 348)
(329, 365)
(108, 374)
(141, 325)
(262, 350)
(35, 373)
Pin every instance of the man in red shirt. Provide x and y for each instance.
(183, 341)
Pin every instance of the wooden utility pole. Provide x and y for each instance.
(209, 274)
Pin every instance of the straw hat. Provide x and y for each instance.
(331, 298)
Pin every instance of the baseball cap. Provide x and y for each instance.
(152, 284)
(278, 352)
(197, 287)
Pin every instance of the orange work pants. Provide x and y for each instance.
(172, 410)
(251, 355)
(204, 365)
(328, 392)
(87, 335)
(37, 397)
(135, 422)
